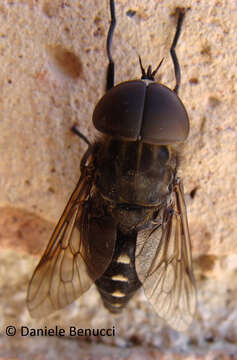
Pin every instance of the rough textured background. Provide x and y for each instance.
(52, 74)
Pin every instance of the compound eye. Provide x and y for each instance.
(119, 112)
(165, 120)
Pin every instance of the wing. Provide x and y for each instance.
(66, 268)
(164, 264)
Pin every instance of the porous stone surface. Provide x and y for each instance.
(53, 66)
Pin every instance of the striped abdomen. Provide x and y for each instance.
(119, 283)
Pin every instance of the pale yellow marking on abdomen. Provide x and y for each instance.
(116, 305)
(124, 259)
(119, 278)
(118, 293)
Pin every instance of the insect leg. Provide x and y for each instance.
(110, 69)
(172, 50)
(85, 157)
(78, 133)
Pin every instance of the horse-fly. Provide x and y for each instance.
(125, 225)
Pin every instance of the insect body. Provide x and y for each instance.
(125, 225)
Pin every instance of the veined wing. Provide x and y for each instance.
(61, 275)
(164, 264)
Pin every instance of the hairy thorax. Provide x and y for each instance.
(134, 179)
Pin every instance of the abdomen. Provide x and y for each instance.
(119, 283)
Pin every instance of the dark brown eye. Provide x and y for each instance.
(133, 110)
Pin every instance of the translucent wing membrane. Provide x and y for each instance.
(61, 275)
(164, 264)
